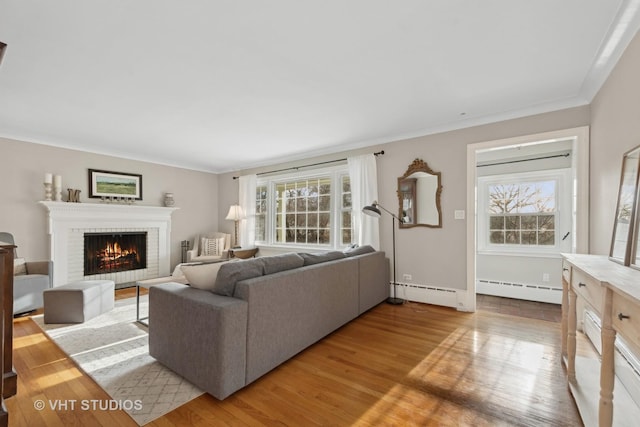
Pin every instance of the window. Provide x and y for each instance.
(261, 212)
(312, 209)
(303, 211)
(524, 212)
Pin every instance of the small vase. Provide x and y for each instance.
(168, 199)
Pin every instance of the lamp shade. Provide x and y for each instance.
(235, 213)
(372, 210)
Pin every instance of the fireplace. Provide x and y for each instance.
(114, 252)
(67, 223)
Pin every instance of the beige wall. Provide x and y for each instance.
(615, 129)
(22, 169)
(434, 257)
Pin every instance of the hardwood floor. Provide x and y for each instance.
(413, 364)
(520, 308)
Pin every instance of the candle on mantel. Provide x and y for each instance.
(57, 181)
(48, 178)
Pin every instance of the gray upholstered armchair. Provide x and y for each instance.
(29, 280)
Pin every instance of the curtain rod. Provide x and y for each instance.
(379, 153)
(524, 160)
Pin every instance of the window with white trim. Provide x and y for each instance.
(524, 212)
(311, 209)
(261, 212)
(346, 231)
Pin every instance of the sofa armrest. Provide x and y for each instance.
(199, 335)
(373, 278)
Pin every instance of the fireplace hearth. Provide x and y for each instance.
(114, 252)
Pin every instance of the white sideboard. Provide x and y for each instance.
(612, 291)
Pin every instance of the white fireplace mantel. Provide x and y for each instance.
(66, 221)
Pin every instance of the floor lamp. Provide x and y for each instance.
(374, 211)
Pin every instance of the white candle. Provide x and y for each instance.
(48, 178)
(57, 181)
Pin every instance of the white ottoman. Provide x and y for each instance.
(78, 302)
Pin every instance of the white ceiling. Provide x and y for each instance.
(224, 85)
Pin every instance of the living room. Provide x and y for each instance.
(435, 257)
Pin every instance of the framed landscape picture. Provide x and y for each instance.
(114, 184)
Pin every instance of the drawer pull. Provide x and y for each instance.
(622, 316)
(565, 269)
(581, 284)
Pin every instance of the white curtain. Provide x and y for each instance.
(247, 200)
(364, 191)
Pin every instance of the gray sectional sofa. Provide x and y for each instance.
(222, 343)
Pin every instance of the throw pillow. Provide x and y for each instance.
(212, 246)
(202, 276)
(19, 267)
(234, 271)
(177, 272)
(359, 250)
(311, 259)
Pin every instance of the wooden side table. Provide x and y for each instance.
(243, 253)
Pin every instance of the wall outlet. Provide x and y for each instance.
(545, 277)
(407, 277)
(458, 214)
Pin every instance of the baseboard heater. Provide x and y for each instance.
(627, 364)
(540, 293)
(427, 294)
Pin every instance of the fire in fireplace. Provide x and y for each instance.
(113, 252)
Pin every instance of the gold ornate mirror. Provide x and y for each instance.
(419, 196)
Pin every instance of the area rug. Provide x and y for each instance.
(113, 349)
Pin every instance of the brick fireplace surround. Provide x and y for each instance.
(67, 223)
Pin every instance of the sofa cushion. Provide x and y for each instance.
(359, 250)
(19, 267)
(234, 271)
(276, 263)
(202, 276)
(310, 259)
